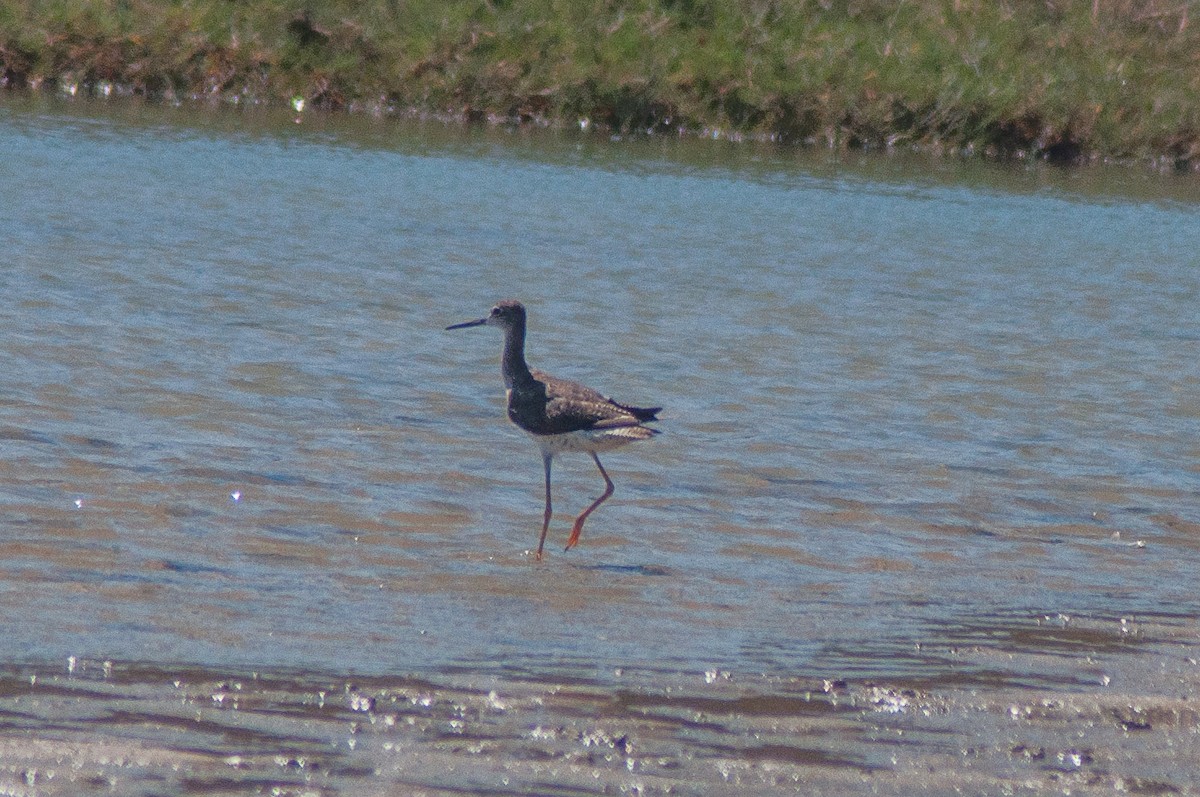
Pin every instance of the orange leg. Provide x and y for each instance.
(608, 490)
(546, 459)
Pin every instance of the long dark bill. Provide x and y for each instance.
(476, 323)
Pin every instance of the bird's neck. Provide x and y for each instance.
(512, 364)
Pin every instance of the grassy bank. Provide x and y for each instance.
(1064, 79)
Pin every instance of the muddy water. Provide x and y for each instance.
(926, 499)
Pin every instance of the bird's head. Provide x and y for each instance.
(508, 314)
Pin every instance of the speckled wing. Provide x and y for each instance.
(572, 407)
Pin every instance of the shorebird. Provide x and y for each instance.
(561, 416)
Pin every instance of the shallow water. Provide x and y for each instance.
(913, 409)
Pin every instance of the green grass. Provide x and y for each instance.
(1064, 79)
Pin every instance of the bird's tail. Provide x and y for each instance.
(643, 414)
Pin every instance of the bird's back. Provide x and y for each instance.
(559, 406)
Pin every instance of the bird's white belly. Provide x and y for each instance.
(583, 442)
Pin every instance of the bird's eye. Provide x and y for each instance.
(495, 311)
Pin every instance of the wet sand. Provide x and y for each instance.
(1118, 723)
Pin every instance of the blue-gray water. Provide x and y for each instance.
(911, 407)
